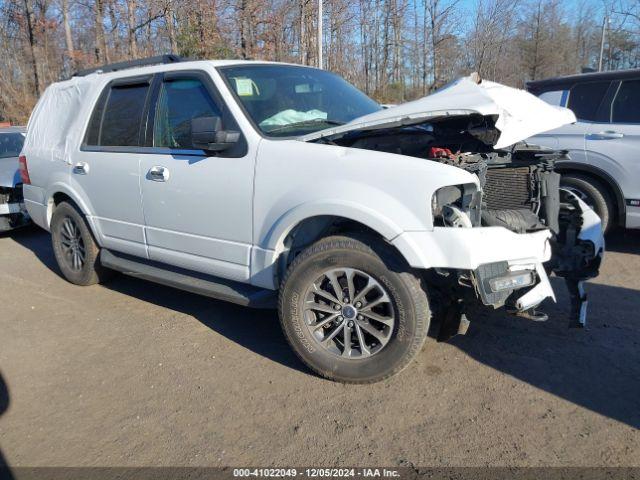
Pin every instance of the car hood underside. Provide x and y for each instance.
(516, 114)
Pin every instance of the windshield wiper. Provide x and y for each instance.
(305, 123)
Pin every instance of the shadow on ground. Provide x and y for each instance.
(597, 368)
(5, 472)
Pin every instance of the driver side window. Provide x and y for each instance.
(180, 101)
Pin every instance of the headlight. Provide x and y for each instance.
(457, 205)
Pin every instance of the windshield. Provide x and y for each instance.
(10, 144)
(285, 101)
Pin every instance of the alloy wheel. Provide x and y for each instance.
(72, 244)
(349, 313)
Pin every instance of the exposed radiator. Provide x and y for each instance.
(508, 188)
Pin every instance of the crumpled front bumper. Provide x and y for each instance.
(498, 251)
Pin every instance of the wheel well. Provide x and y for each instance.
(312, 229)
(60, 197)
(56, 200)
(607, 183)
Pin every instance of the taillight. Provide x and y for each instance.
(24, 170)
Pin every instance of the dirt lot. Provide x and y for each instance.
(132, 373)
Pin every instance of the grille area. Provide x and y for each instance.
(508, 188)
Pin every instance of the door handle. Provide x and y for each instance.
(158, 174)
(606, 135)
(81, 168)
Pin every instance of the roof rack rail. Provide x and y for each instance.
(142, 62)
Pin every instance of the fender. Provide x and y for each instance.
(349, 210)
(81, 201)
(264, 258)
(564, 166)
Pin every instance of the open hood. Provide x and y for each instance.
(519, 114)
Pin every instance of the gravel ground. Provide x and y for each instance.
(132, 374)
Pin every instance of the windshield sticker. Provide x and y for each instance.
(244, 87)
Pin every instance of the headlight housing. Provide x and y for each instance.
(457, 205)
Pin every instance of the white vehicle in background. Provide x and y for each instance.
(603, 145)
(254, 181)
(12, 210)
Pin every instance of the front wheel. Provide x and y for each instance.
(353, 313)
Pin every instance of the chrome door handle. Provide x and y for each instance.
(606, 135)
(158, 174)
(81, 168)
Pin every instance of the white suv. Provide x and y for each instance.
(252, 182)
(604, 145)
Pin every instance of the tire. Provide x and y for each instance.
(396, 296)
(594, 194)
(69, 229)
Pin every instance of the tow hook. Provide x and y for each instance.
(531, 314)
(579, 303)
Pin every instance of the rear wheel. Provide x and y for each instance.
(353, 313)
(594, 194)
(75, 249)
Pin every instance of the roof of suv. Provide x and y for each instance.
(539, 86)
(174, 66)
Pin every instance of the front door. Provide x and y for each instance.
(197, 206)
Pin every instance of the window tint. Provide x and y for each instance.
(117, 122)
(585, 99)
(93, 132)
(626, 106)
(180, 101)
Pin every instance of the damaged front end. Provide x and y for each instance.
(520, 192)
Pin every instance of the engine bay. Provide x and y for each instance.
(520, 190)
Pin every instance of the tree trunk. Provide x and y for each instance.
(67, 32)
(131, 21)
(32, 47)
(170, 18)
(101, 43)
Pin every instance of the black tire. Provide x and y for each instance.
(408, 304)
(594, 194)
(90, 271)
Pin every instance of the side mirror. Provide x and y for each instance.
(207, 134)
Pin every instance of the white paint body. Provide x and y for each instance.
(230, 216)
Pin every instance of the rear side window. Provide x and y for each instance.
(117, 118)
(180, 101)
(626, 106)
(585, 99)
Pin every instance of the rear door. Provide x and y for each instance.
(106, 170)
(585, 100)
(613, 142)
(197, 206)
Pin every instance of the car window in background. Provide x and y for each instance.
(117, 119)
(626, 106)
(10, 144)
(179, 102)
(287, 100)
(585, 99)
